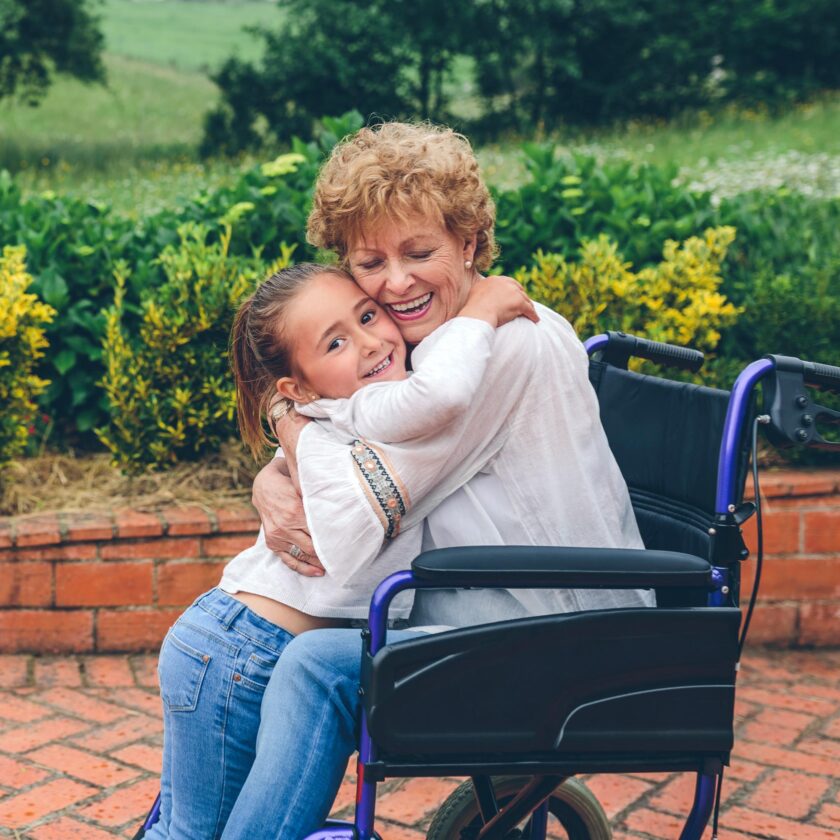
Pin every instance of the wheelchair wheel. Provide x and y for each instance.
(574, 812)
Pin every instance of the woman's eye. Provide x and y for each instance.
(370, 265)
(368, 316)
(335, 344)
(421, 255)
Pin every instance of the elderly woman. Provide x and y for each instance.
(406, 210)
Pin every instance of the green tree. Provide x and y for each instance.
(386, 58)
(41, 37)
(542, 61)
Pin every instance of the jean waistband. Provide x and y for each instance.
(235, 616)
(221, 606)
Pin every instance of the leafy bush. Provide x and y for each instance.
(783, 273)
(780, 236)
(569, 199)
(676, 301)
(74, 246)
(167, 381)
(785, 259)
(22, 341)
(71, 246)
(780, 232)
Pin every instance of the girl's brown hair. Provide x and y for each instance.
(260, 353)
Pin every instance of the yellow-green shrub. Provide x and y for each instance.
(22, 341)
(167, 378)
(676, 301)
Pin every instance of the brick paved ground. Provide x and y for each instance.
(80, 754)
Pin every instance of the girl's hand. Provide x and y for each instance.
(498, 300)
(281, 511)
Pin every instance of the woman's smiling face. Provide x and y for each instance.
(415, 269)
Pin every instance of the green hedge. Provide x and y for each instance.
(781, 270)
(73, 247)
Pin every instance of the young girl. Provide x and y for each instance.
(310, 334)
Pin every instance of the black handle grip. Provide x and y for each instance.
(621, 346)
(822, 376)
(813, 373)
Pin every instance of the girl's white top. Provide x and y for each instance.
(444, 384)
(520, 424)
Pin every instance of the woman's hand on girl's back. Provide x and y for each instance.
(498, 300)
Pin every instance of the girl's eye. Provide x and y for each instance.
(335, 344)
(368, 316)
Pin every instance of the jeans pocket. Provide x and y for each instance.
(257, 670)
(181, 669)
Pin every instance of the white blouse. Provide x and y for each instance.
(431, 399)
(530, 427)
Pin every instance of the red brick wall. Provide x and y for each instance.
(799, 605)
(81, 584)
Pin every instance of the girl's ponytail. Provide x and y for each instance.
(253, 382)
(259, 352)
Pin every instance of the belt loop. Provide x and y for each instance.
(222, 606)
(233, 612)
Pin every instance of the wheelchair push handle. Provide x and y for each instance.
(794, 415)
(619, 347)
(822, 376)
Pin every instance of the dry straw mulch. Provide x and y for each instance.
(87, 483)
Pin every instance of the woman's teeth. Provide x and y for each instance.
(411, 307)
(385, 363)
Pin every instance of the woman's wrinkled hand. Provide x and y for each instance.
(284, 521)
(498, 300)
(287, 430)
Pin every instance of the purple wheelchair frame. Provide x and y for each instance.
(362, 828)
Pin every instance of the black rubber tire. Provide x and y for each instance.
(572, 804)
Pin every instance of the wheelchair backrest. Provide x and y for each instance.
(666, 438)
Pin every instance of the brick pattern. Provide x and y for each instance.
(98, 584)
(80, 741)
(75, 584)
(800, 585)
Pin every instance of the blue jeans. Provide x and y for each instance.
(214, 666)
(310, 727)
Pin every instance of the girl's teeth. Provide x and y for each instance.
(380, 367)
(412, 305)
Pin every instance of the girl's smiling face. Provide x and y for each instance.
(340, 341)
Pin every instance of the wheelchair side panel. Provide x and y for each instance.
(658, 680)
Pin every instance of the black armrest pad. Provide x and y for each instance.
(525, 567)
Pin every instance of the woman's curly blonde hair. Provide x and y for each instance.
(402, 170)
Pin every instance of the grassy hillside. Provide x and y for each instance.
(132, 143)
(185, 34)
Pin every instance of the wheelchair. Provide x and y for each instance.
(521, 707)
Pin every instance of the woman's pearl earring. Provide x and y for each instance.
(467, 264)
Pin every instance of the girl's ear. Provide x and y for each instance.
(289, 388)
